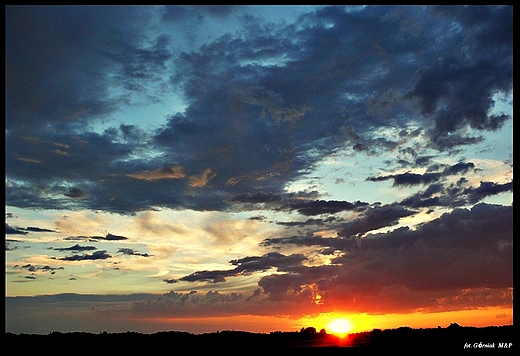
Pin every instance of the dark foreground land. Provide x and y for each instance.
(452, 338)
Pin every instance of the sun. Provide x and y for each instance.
(340, 326)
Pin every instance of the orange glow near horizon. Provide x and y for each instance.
(329, 321)
(367, 322)
(250, 323)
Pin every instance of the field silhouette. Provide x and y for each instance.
(453, 337)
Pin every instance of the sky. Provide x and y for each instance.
(257, 168)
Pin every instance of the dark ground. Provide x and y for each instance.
(451, 338)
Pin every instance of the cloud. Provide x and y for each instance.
(38, 229)
(256, 198)
(408, 178)
(440, 257)
(454, 194)
(302, 202)
(461, 167)
(76, 193)
(263, 105)
(9, 244)
(375, 218)
(318, 207)
(80, 67)
(111, 237)
(104, 307)
(464, 249)
(107, 237)
(246, 266)
(335, 243)
(447, 88)
(486, 189)
(33, 269)
(318, 222)
(199, 181)
(131, 252)
(257, 100)
(266, 122)
(97, 255)
(10, 230)
(460, 254)
(14, 231)
(76, 247)
(166, 172)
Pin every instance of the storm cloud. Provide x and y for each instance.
(459, 250)
(261, 109)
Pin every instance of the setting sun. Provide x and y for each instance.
(339, 326)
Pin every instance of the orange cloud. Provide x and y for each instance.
(59, 144)
(199, 181)
(29, 159)
(166, 172)
(60, 152)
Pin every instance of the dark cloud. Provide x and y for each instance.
(457, 89)
(62, 61)
(97, 255)
(264, 104)
(459, 250)
(131, 252)
(454, 195)
(318, 207)
(399, 269)
(334, 243)
(205, 276)
(461, 167)
(443, 142)
(430, 198)
(246, 266)
(111, 237)
(76, 193)
(186, 13)
(256, 198)
(33, 269)
(38, 229)
(375, 218)
(10, 244)
(308, 222)
(302, 202)
(486, 189)
(14, 230)
(107, 237)
(408, 178)
(76, 247)
(24, 231)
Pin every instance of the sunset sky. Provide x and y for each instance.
(257, 168)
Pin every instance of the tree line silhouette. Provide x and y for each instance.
(453, 337)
